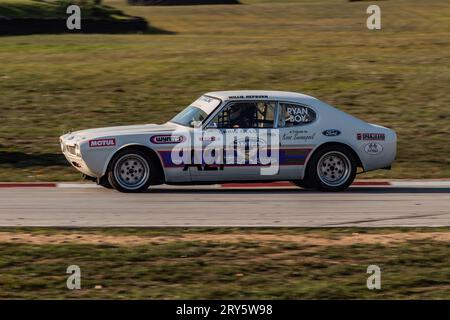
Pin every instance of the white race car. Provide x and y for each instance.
(231, 136)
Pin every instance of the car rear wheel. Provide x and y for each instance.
(130, 171)
(332, 168)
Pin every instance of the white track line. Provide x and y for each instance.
(69, 185)
(424, 184)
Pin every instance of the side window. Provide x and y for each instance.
(295, 115)
(265, 114)
(246, 115)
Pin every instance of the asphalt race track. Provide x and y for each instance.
(194, 206)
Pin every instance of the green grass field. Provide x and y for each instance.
(218, 263)
(398, 77)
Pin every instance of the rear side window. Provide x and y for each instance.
(295, 115)
(246, 115)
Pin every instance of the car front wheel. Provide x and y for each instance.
(332, 168)
(305, 183)
(104, 182)
(130, 171)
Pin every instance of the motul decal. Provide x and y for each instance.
(110, 142)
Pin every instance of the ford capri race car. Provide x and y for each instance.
(231, 136)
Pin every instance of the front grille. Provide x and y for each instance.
(76, 164)
(71, 150)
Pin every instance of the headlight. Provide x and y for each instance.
(77, 150)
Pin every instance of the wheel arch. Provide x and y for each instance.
(332, 143)
(161, 178)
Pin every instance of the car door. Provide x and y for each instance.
(243, 128)
(297, 125)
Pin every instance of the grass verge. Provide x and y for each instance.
(41, 9)
(27, 17)
(225, 263)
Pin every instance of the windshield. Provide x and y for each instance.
(191, 117)
(197, 112)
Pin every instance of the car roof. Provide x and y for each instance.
(261, 94)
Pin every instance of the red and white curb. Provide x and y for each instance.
(437, 183)
(28, 185)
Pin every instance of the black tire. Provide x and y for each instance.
(104, 182)
(305, 183)
(332, 168)
(124, 170)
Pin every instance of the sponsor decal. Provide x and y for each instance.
(371, 136)
(295, 115)
(331, 132)
(109, 142)
(300, 114)
(207, 138)
(248, 147)
(206, 99)
(167, 139)
(249, 97)
(250, 143)
(373, 148)
(297, 135)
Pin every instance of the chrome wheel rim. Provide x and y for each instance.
(334, 168)
(131, 171)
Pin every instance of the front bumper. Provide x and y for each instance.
(74, 157)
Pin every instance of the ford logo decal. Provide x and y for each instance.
(331, 132)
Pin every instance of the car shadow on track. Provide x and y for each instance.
(25, 160)
(358, 190)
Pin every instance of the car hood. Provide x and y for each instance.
(122, 130)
